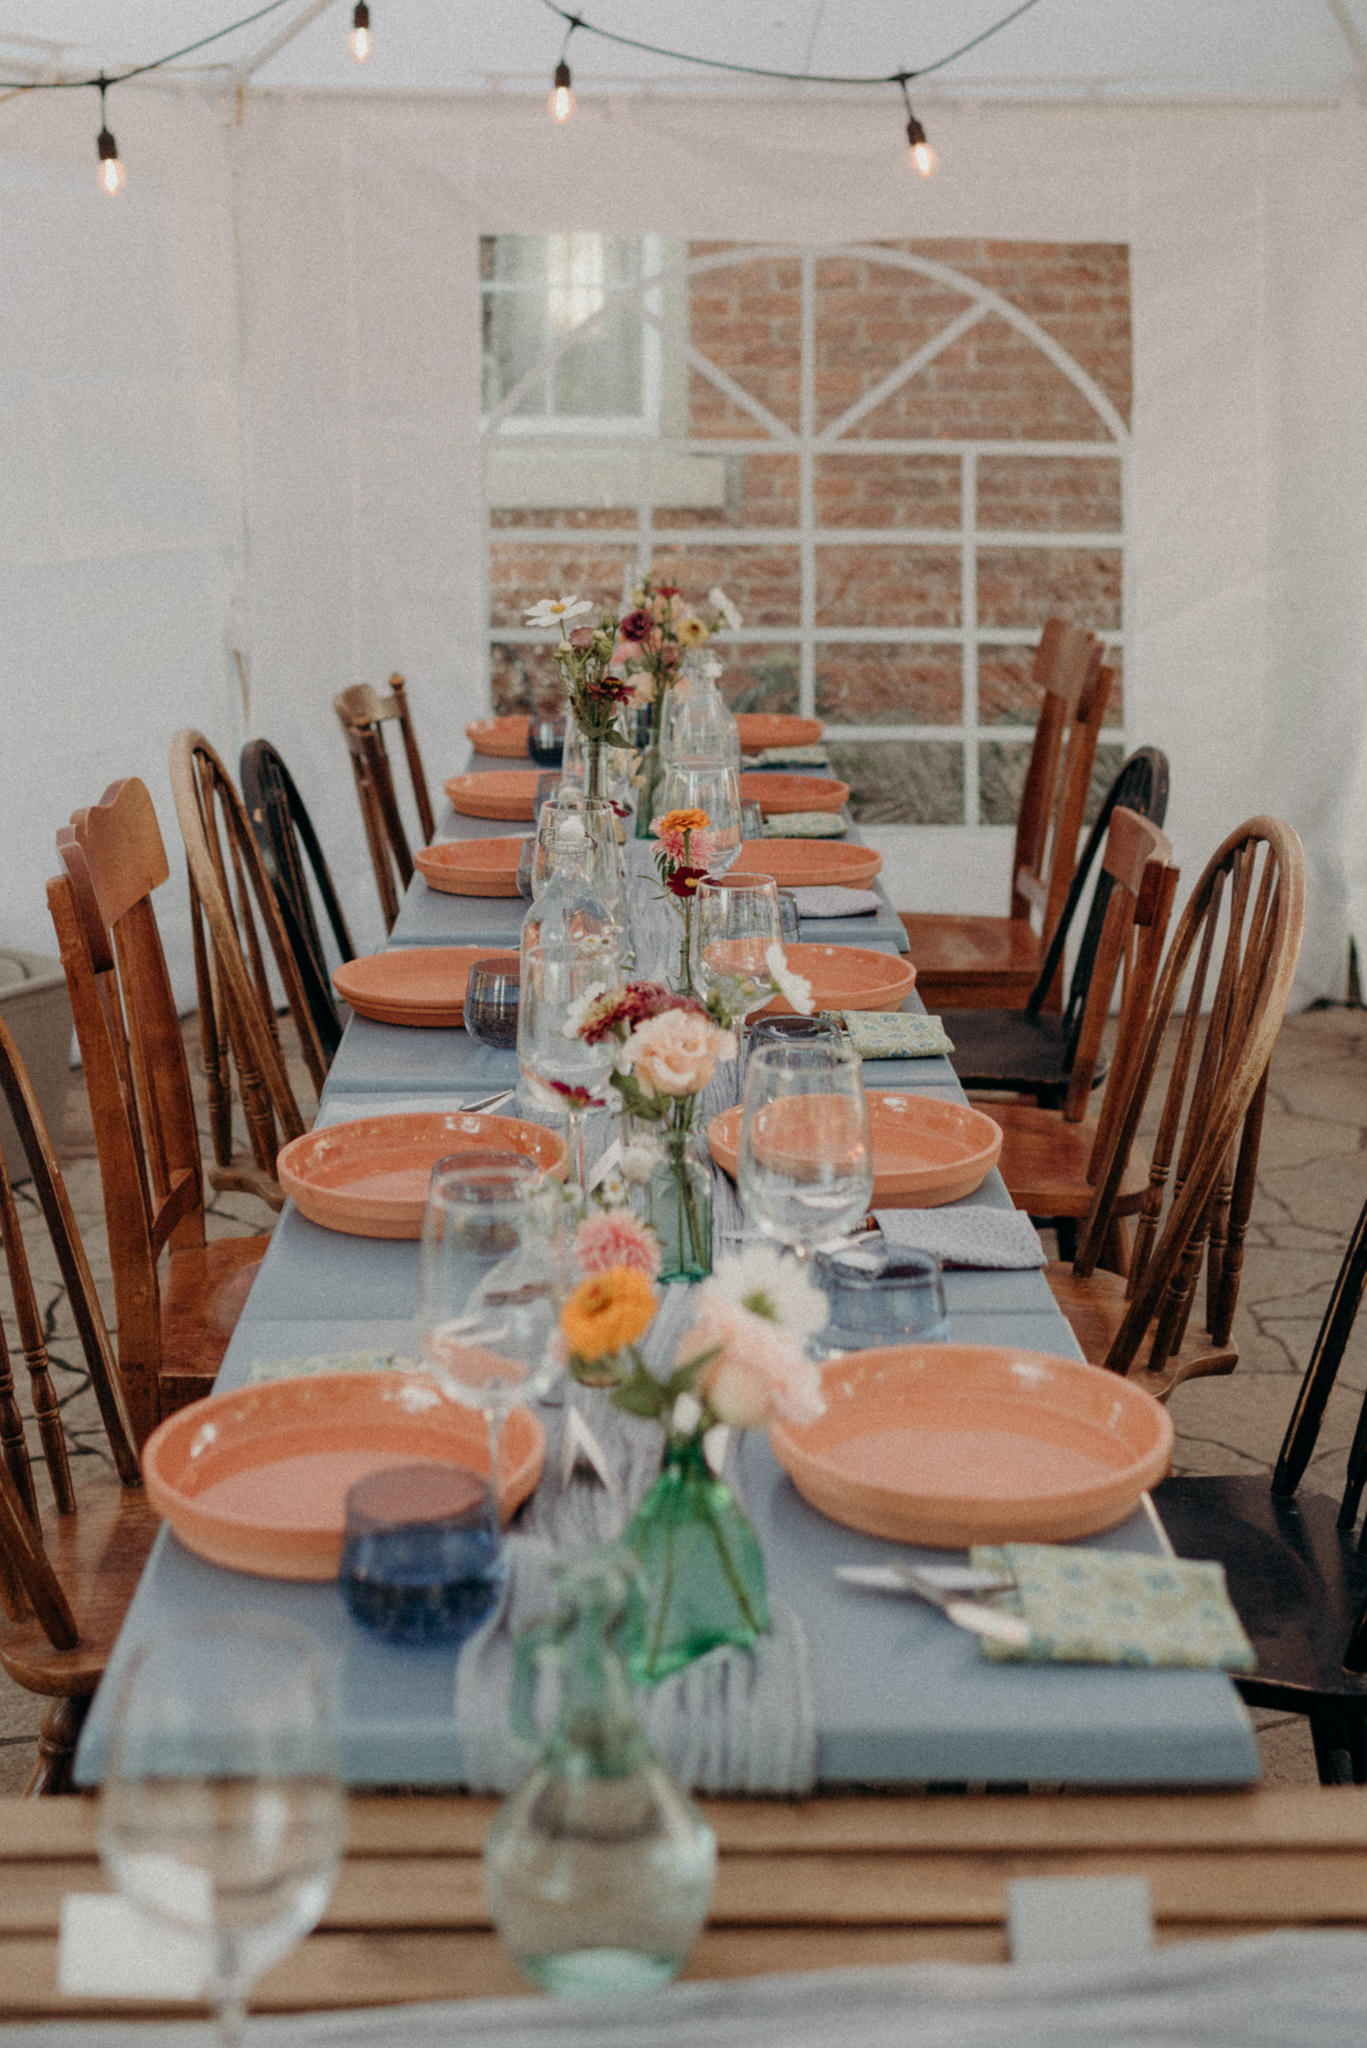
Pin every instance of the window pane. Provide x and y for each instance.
(903, 782)
(889, 685)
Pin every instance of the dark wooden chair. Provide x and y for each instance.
(297, 869)
(176, 1295)
(1295, 1562)
(1231, 963)
(1050, 1159)
(239, 936)
(1032, 1051)
(67, 1569)
(977, 962)
(364, 715)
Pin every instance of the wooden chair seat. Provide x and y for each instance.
(1044, 1161)
(98, 1555)
(203, 1290)
(972, 962)
(1096, 1309)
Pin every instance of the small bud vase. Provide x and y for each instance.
(678, 1208)
(701, 1568)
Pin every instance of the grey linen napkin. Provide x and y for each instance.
(1004, 1240)
(824, 902)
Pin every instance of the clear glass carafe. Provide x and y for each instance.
(699, 723)
(598, 1867)
(570, 909)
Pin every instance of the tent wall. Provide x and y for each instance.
(334, 241)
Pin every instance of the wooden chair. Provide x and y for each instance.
(176, 1296)
(229, 892)
(1296, 1568)
(291, 854)
(980, 962)
(364, 714)
(68, 1569)
(1231, 961)
(1050, 1159)
(1032, 1051)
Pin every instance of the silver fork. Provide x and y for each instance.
(948, 1589)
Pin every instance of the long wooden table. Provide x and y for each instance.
(813, 1884)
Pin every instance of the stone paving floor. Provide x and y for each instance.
(1311, 1184)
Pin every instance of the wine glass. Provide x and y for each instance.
(221, 1813)
(492, 1276)
(560, 1069)
(735, 922)
(691, 785)
(806, 1154)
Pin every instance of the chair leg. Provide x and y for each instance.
(1340, 1752)
(1065, 1228)
(57, 1738)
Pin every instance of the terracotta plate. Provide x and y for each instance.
(953, 1444)
(926, 1150)
(506, 737)
(410, 985)
(369, 1178)
(257, 1479)
(472, 867)
(503, 793)
(778, 793)
(808, 863)
(760, 729)
(848, 978)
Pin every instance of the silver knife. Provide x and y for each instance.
(494, 1101)
(974, 1615)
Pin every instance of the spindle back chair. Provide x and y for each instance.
(296, 865)
(364, 714)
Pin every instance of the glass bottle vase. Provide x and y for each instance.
(678, 1208)
(701, 1568)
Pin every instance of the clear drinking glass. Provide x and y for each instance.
(492, 1275)
(221, 1812)
(562, 1072)
(706, 786)
(806, 1156)
(735, 922)
(880, 1294)
(752, 820)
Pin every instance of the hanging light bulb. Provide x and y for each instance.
(113, 177)
(561, 102)
(361, 42)
(923, 157)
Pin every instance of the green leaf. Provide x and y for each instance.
(641, 1394)
(613, 738)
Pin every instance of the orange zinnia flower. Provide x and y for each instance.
(683, 821)
(607, 1312)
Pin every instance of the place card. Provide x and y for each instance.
(1053, 1920)
(106, 1948)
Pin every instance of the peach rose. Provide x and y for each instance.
(761, 1369)
(675, 1053)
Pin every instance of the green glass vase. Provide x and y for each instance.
(678, 1208)
(701, 1569)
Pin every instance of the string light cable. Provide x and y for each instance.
(922, 155)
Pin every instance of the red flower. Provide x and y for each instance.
(682, 881)
(637, 625)
(632, 1006)
(576, 1098)
(667, 590)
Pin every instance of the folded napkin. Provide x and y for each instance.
(1113, 1607)
(1004, 1240)
(806, 825)
(837, 902)
(793, 757)
(264, 1369)
(893, 1034)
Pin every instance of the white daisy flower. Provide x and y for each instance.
(770, 1284)
(640, 1159)
(721, 603)
(794, 988)
(579, 1010)
(556, 611)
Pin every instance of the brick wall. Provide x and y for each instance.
(887, 554)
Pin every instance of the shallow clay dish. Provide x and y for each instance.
(506, 793)
(421, 985)
(471, 867)
(369, 1178)
(761, 729)
(257, 1479)
(926, 1151)
(809, 863)
(847, 978)
(953, 1444)
(776, 794)
(505, 737)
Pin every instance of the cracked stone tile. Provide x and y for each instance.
(1287, 1278)
(1293, 1140)
(1326, 1194)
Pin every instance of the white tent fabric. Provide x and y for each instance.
(240, 412)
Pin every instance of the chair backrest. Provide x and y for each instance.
(112, 858)
(1140, 785)
(364, 714)
(1231, 963)
(290, 853)
(28, 1580)
(1137, 867)
(231, 894)
(1302, 1432)
(1068, 668)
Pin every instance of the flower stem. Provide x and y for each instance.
(731, 1575)
(662, 1608)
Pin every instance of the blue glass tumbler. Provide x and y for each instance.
(421, 1560)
